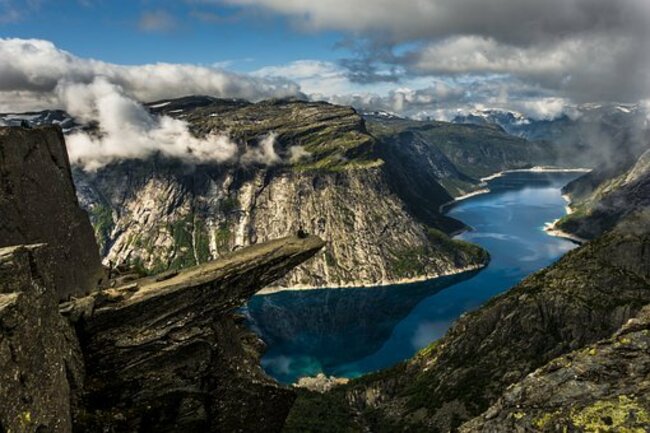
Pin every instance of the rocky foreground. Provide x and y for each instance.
(161, 354)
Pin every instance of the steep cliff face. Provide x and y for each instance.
(38, 205)
(587, 296)
(463, 153)
(158, 214)
(168, 219)
(165, 354)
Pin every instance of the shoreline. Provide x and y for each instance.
(481, 191)
(551, 230)
(405, 281)
(536, 169)
(383, 283)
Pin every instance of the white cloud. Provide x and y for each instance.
(31, 69)
(129, 131)
(586, 50)
(313, 76)
(35, 75)
(264, 153)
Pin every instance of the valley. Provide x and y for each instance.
(351, 332)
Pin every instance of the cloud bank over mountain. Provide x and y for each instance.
(582, 50)
(35, 75)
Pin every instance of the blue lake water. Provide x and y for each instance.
(350, 332)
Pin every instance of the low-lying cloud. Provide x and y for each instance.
(129, 131)
(35, 75)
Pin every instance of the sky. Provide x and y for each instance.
(413, 57)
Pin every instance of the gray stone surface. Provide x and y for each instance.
(41, 366)
(38, 205)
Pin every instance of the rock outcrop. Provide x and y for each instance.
(601, 199)
(161, 354)
(38, 205)
(168, 356)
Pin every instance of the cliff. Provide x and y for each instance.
(159, 214)
(38, 205)
(164, 353)
(599, 200)
(41, 365)
(602, 387)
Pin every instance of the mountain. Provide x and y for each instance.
(160, 213)
(41, 118)
(577, 326)
(590, 135)
(166, 353)
(372, 186)
(456, 156)
(602, 198)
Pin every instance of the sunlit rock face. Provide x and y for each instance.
(322, 174)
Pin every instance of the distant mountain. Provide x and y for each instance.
(591, 136)
(457, 155)
(40, 118)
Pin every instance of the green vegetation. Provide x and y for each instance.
(332, 137)
(229, 204)
(101, 218)
(410, 262)
(476, 150)
(413, 262)
(201, 241)
(222, 236)
(442, 242)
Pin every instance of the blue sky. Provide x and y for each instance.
(194, 33)
(415, 57)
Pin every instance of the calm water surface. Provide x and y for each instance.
(350, 332)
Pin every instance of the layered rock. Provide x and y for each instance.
(166, 355)
(38, 205)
